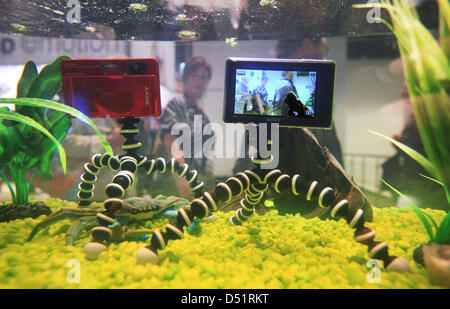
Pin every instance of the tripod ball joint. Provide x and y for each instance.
(85, 195)
(235, 186)
(114, 163)
(199, 208)
(161, 165)
(96, 161)
(128, 164)
(104, 159)
(124, 180)
(173, 165)
(89, 168)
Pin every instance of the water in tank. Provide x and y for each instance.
(257, 144)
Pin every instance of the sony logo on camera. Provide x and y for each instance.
(146, 96)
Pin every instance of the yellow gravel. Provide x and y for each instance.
(269, 251)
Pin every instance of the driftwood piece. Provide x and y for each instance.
(437, 262)
(301, 153)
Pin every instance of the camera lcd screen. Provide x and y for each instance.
(295, 93)
(262, 92)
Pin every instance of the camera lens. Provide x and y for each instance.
(137, 68)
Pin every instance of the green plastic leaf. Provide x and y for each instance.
(8, 142)
(48, 82)
(29, 138)
(6, 146)
(54, 117)
(11, 190)
(40, 146)
(30, 122)
(419, 158)
(28, 75)
(444, 22)
(47, 149)
(32, 162)
(416, 209)
(431, 220)
(62, 108)
(426, 63)
(443, 232)
(432, 179)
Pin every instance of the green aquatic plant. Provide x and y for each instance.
(32, 133)
(438, 234)
(426, 63)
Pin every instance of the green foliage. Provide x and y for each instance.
(426, 63)
(443, 231)
(28, 75)
(438, 234)
(432, 179)
(30, 122)
(417, 210)
(30, 135)
(426, 164)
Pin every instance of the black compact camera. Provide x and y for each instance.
(293, 93)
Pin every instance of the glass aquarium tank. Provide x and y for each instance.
(118, 169)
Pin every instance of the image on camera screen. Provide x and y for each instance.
(275, 93)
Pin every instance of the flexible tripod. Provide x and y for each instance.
(125, 166)
(252, 183)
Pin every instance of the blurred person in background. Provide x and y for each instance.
(242, 93)
(260, 102)
(182, 109)
(150, 136)
(285, 85)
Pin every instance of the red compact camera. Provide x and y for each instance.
(113, 88)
